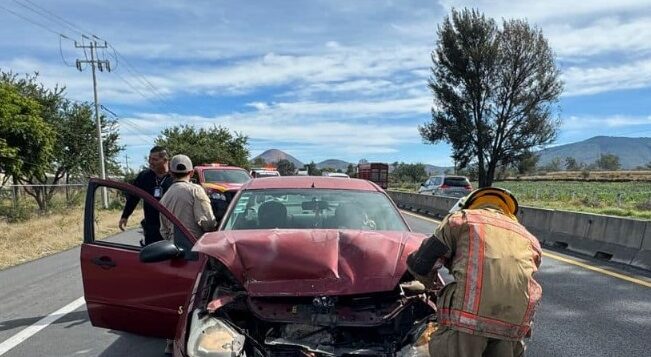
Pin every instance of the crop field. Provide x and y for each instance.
(631, 199)
(626, 199)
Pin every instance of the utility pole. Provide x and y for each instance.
(100, 64)
(126, 160)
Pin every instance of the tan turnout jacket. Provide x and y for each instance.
(493, 262)
(190, 204)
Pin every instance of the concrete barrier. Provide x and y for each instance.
(643, 257)
(611, 238)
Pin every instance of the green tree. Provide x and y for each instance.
(571, 164)
(351, 170)
(215, 144)
(312, 170)
(410, 172)
(527, 163)
(26, 140)
(258, 162)
(74, 150)
(285, 167)
(554, 165)
(493, 91)
(608, 162)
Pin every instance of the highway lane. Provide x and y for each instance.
(583, 313)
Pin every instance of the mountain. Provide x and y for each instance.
(274, 155)
(632, 152)
(333, 163)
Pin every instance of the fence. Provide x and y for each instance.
(20, 202)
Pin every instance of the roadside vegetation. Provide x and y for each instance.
(51, 233)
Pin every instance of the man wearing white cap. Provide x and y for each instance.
(187, 201)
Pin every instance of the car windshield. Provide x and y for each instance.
(230, 176)
(314, 209)
(456, 181)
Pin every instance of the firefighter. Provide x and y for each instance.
(488, 309)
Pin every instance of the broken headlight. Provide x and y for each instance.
(212, 337)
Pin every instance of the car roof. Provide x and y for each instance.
(319, 182)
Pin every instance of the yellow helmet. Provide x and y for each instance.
(492, 196)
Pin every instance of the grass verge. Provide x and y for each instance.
(49, 234)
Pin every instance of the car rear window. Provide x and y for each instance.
(230, 176)
(456, 181)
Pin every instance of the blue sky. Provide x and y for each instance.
(319, 79)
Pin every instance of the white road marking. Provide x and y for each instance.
(30, 331)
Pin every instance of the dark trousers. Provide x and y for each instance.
(151, 232)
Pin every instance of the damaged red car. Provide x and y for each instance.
(300, 266)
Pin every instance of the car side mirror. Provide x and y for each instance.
(159, 251)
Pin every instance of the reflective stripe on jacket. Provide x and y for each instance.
(493, 262)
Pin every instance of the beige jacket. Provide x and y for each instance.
(493, 262)
(190, 204)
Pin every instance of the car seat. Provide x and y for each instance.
(349, 216)
(272, 215)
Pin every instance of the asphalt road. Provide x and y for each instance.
(583, 313)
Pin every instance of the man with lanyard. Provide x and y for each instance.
(155, 180)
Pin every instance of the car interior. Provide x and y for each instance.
(296, 211)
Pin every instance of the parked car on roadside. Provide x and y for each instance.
(221, 183)
(443, 185)
(299, 266)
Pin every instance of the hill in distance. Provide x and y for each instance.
(632, 152)
(334, 164)
(274, 155)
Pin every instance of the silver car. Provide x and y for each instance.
(451, 186)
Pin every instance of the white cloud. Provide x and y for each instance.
(591, 80)
(341, 137)
(605, 35)
(581, 123)
(536, 10)
(275, 69)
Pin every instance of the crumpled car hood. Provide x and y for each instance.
(303, 262)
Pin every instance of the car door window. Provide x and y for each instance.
(437, 181)
(105, 220)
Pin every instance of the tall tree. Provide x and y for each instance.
(493, 90)
(285, 167)
(214, 144)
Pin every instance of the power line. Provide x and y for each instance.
(61, 20)
(31, 21)
(42, 15)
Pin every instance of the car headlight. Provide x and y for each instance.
(218, 196)
(212, 337)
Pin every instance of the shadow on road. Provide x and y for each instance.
(72, 319)
(133, 345)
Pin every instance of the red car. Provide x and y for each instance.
(310, 266)
(221, 183)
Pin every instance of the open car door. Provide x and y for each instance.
(123, 293)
